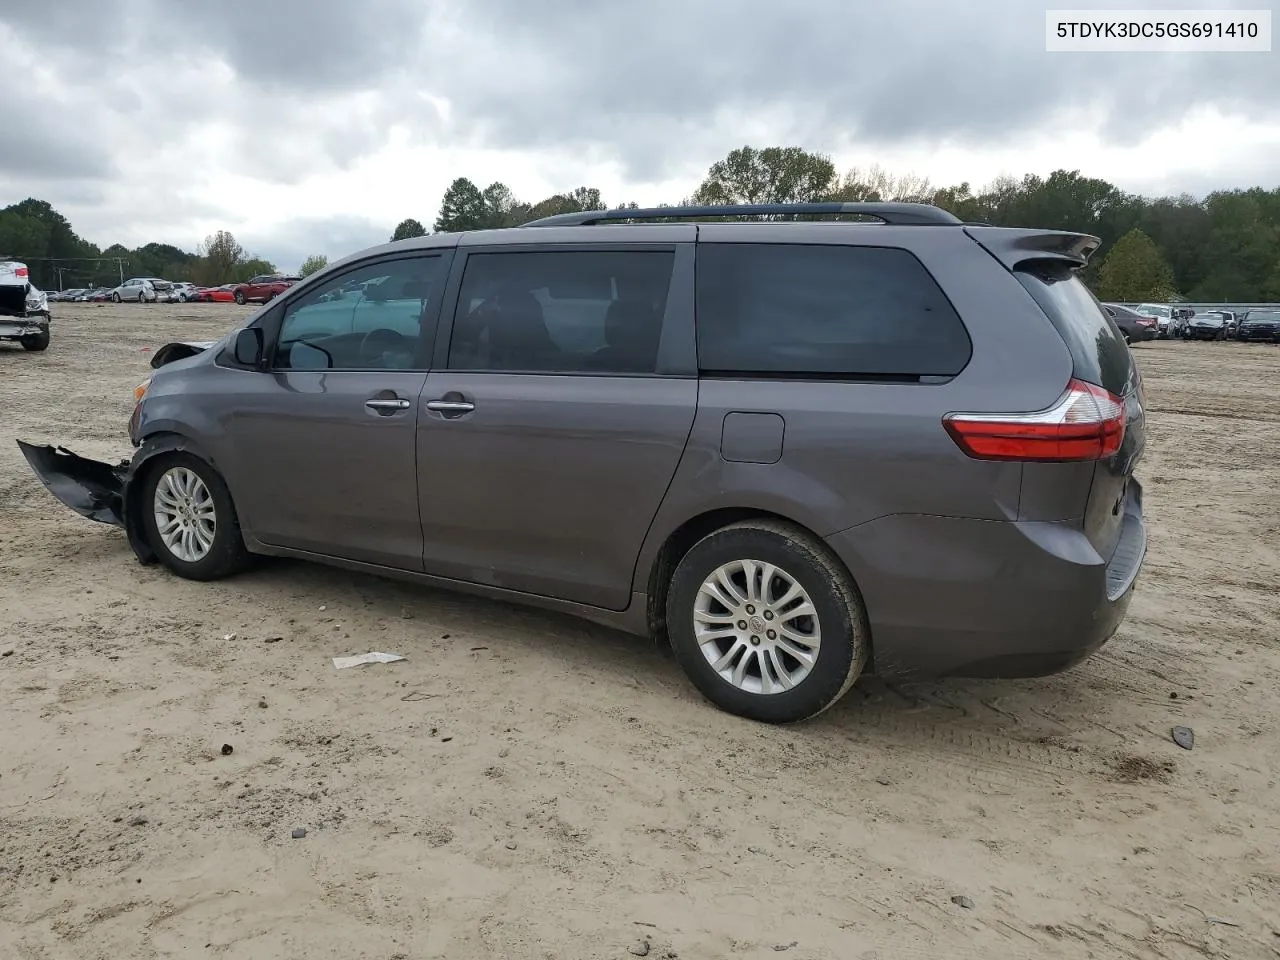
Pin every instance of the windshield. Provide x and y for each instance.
(1266, 316)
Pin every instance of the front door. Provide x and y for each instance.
(553, 422)
(323, 444)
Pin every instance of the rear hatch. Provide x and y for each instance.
(1102, 358)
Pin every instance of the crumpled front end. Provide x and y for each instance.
(91, 488)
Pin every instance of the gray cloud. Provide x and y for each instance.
(291, 243)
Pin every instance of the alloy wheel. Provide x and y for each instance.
(185, 515)
(757, 627)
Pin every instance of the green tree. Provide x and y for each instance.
(221, 258)
(317, 261)
(771, 175)
(501, 208)
(1134, 270)
(877, 184)
(251, 267)
(463, 208)
(408, 228)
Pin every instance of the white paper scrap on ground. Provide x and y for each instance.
(341, 663)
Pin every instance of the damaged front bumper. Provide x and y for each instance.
(91, 488)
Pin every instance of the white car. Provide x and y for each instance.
(24, 307)
(181, 292)
(138, 290)
(1162, 314)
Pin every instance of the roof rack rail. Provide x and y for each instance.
(896, 214)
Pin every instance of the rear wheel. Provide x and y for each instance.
(36, 342)
(766, 622)
(190, 520)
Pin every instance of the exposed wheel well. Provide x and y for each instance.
(679, 543)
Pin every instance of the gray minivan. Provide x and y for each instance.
(797, 450)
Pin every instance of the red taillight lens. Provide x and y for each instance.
(1087, 423)
(21, 272)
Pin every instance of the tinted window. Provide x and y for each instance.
(1098, 351)
(561, 312)
(367, 318)
(823, 310)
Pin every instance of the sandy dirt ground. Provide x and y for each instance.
(526, 785)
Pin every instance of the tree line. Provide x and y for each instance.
(1221, 247)
(35, 233)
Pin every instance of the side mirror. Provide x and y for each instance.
(248, 347)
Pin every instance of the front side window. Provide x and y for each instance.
(797, 310)
(589, 312)
(367, 318)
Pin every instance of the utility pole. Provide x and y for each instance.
(120, 264)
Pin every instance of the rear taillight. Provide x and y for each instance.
(1087, 423)
(21, 272)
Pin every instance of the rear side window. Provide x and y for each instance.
(585, 311)
(1098, 351)
(823, 311)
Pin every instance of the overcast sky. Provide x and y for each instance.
(316, 125)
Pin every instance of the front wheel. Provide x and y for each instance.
(115, 298)
(766, 622)
(189, 519)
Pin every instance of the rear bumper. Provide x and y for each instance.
(981, 598)
(15, 328)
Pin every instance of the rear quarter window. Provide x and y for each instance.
(824, 311)
(1098, 352)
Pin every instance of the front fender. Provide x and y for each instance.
(132, 507)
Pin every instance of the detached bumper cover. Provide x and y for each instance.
(91, 488)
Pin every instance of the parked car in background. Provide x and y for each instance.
(1179, 318)
(1162, 315)
(263, 287)
(95, 295)
(1135, 326)
(1260, 325)
(24, 307)
(223, 294)
(1208, 325)
(64, 296)
(590, 416)
(181, 292)
(137, 289)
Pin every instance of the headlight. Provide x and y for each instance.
(140, 390)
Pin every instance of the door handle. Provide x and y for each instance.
(387, 404)
(451, 406)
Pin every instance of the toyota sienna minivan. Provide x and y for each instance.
(797, 450)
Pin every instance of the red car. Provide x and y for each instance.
(222, 294)
(263, 287)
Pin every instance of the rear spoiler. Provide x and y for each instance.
(179, 350)
(1014, 247)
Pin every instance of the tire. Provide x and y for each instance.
(225, 554)
(36, 342)
(115, 298)
(240, 297)
(843, 640)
